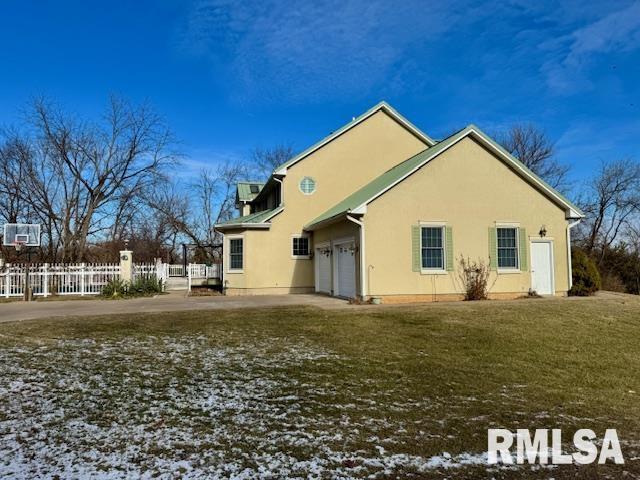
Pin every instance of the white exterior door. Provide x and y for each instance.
(346, 270)
(542, 267)
(323, 270)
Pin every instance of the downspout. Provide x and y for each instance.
(363, 276)
(570, 269)
(281, 191)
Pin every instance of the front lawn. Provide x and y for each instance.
(303, 392)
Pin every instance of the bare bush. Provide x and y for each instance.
(474, 275)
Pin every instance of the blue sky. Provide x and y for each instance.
(230, 76)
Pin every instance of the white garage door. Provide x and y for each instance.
(324, 270)
(346, 266)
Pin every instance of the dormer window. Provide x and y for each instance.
(307, 185)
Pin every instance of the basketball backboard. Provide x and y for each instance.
(26, 234)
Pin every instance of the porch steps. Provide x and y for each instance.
(177, 283)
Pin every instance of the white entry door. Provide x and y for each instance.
(346, 270)
(323, 266)
(542, 267)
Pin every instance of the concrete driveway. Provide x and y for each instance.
(172, 302)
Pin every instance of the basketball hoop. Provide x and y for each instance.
(21, 235)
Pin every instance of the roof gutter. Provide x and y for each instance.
(234, 226)
(281, 191)
(327, 221)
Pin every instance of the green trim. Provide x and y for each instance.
(416, 253)
(389, 178)
(499, 147)
(524, 254)
(448, 238)
(257, 217)
(493, 248)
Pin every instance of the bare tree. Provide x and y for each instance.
(193, 212)
(79, 178)
(267, 159)
(532, 147)
(611, 202)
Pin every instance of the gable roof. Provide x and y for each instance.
(357, 201)
(382, 106)
(253, 220)
(244, 190)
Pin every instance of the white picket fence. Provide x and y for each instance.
(57, 279)
(86, 278)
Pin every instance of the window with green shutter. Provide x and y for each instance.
(432, 248)
(508, 248)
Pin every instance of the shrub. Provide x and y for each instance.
(474, 276)
(140, 287)
(586, 278)
(115, 288)
(148, 285)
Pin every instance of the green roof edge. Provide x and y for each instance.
(256, 218)
(388, 178)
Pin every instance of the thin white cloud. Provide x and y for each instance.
(311, 49)
(572, 53)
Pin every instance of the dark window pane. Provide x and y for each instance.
(432, 237)
(300, 246)
(432, 248)
(507, 248)
(235, 254)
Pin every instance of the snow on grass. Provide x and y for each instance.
(190, 406)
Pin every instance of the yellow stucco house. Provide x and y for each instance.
(379, 209)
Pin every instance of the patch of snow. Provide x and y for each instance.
(183, 406)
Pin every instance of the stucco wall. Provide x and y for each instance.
(469, 189)
(339, 168)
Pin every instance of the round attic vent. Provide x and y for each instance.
(307, 185)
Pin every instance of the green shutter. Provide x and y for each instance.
(524, 255)
(493, 248)
(449, 245)
(416, 257)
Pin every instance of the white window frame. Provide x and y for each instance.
(315, 185)
(435, 271)
(228, 239)
(300, 257)
(507, 270)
